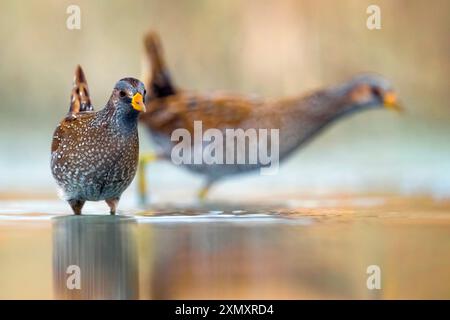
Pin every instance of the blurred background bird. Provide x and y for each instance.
(298, 119)
(94, 155)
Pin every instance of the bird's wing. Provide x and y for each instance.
(158, 80)
(214, 111)
(65, 130)
(80, 100)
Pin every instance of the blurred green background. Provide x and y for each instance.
(269, 48)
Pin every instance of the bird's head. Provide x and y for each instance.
(128, 95)
(370, 90)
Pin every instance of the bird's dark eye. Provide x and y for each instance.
(376, 92)
(122, 93)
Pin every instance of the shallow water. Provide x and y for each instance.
(298, 248)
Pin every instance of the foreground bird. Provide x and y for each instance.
(95, 154)
(298, 119)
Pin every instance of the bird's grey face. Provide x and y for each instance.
(130, 92)
(373, 90)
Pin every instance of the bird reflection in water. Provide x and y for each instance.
(104, 249)
(227, 261)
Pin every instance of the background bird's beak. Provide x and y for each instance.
(138, 102)
(390, 101)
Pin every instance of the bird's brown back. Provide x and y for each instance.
(214, 111)
(71, 126)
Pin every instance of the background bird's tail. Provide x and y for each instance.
(80, 100)
(158, 81)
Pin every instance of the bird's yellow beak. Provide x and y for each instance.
(390, 101)
(138, 102)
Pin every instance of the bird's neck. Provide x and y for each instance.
(324, 106)
(305, 117)
(122, 118)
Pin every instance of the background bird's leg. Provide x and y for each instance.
(112, 203)
(76, 205)
(144, 159)
(205, 189)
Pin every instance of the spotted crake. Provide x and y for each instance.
(298, 119)
(94, 154)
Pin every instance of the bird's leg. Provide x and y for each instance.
(76, 205)
(142, 182)
(112, 203)
(205, 189)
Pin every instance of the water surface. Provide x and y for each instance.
(298, 249)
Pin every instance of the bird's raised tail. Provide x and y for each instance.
(80, 100)
(159, 83)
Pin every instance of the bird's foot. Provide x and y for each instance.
(204, 191)
(112, 203)
(76, 206)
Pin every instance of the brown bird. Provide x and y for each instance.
(94, 155)
(298, 119)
